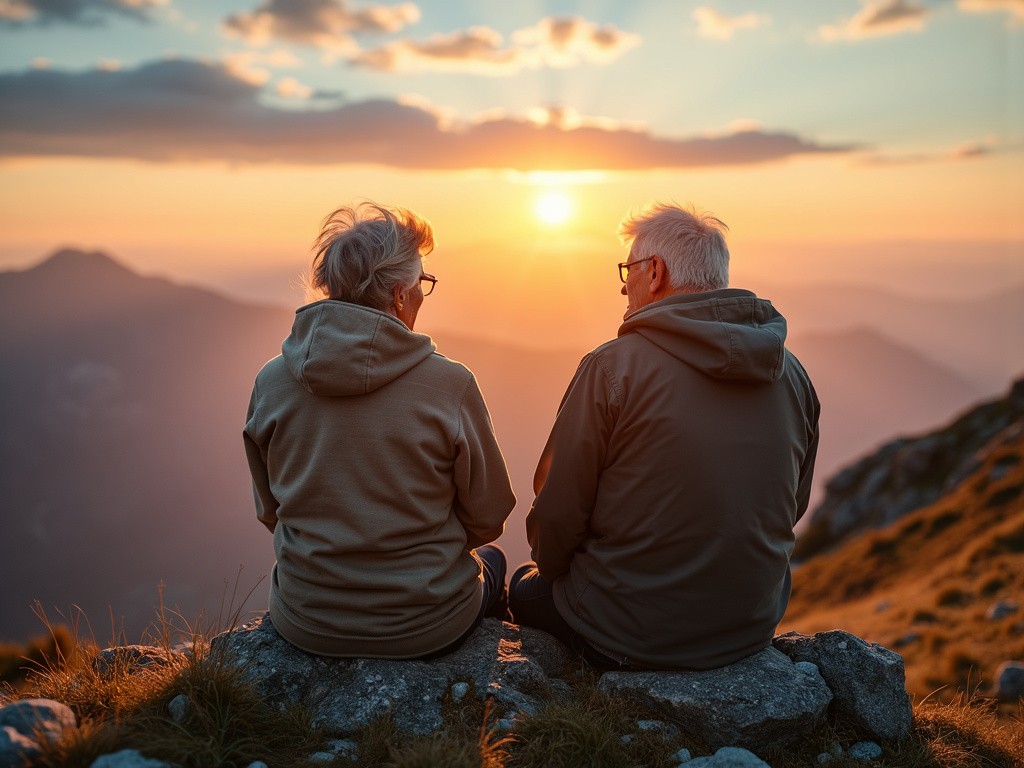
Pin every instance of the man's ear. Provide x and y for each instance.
(659, 275)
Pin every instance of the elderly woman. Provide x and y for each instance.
(373, 459)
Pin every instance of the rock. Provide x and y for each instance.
(867, 680)
(345, 748)
(257, 764)
(179, 708)
(682, 756)
(16, 748)
(128, 758)
(824, 757)
(33, 719)
(759, 701)
(668, 731)
(133, 658)
(1002, 609)
(729, 757)
(907, 639)
(864, 750)
(1009, 681)
(459, 691)
(508, 662)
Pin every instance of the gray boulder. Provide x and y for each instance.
(761, 701)
(728, 757)
(128, 758)
(23, 724)
(1010, 681)
(508, 662)
(867, 680)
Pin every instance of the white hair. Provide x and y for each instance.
(691, 243)
(362, 253)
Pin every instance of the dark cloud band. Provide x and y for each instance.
(190, 110)
(81, 12)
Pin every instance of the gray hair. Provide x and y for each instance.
(691, 243)
(362, 253)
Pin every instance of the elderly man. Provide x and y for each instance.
(677, 466)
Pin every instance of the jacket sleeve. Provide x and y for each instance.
(483, 492)
(266, 504)
(803, 491)
(570, 469)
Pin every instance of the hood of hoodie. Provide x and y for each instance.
(336, 348)
(727, 334)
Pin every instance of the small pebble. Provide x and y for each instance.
(824, 757)
(459, 691)
(683, 756)
(179, 708)
(626, 739)
(865, 750)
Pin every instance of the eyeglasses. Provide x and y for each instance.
(625, 265)
(431, 280)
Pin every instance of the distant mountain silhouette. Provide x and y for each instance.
(123, 398)
(982, 339)
(873, 388)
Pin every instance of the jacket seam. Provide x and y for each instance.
(462, 402)
(610, 380)
(369, 351)
(309, 346)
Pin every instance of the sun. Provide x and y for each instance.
(553, 207)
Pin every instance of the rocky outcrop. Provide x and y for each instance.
(768, 701)
(867, 680)
(906, 474)
(765, 701)
(513, 664)
(761, 700)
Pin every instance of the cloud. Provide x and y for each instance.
(1014, 7)
(876, 18)
(326, 24)
(970, 150)
(478, 49)
(552, 41)
(714, 26)
(84, 12)
(201, 111)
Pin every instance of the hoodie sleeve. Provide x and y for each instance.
(484, 496)
(570, 468)
(266, 504)
(803, 491)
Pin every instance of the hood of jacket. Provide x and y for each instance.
(336, 348)
(727, 334)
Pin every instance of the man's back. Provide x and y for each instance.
(679, 462)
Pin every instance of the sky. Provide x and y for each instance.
(867, 141)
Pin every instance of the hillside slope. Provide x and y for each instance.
(942, 584)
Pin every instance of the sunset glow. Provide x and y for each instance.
(206, 141)
(553, 207)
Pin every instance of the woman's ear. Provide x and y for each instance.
(400, 296)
